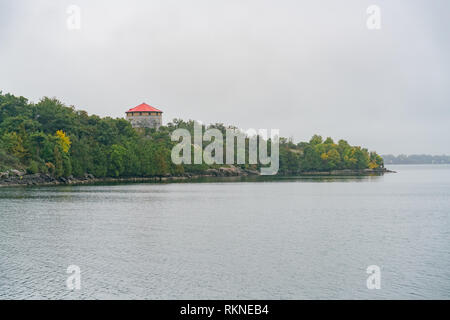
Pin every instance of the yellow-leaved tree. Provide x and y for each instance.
(63, 141)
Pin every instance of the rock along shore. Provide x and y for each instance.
(19, 178)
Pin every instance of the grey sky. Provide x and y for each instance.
(304, 67)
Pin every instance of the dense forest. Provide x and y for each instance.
(49, 137)
(416, 159)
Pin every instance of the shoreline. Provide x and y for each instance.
(18, 179)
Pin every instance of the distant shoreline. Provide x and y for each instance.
(390, 159)
(418, 164)
(27, 180)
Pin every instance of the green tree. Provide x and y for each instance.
(315, 140)
(58, 164)
(116, 164)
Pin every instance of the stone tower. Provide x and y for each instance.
(145, 116)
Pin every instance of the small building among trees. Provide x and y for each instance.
(145, 116)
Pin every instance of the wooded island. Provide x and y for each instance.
(51, 138)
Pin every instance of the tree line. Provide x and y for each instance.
(50, 137)
(416, 159)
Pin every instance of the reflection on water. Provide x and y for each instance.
(249, 238)
(319, 178)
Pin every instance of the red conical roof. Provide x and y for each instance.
(143, 108)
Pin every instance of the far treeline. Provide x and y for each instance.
(49, 137)
(416, 159)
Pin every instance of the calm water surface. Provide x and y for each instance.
(273, 239)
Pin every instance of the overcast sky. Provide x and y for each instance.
(303, 67)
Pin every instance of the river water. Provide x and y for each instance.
(266, 238)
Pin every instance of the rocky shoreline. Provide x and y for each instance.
(13, 178)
